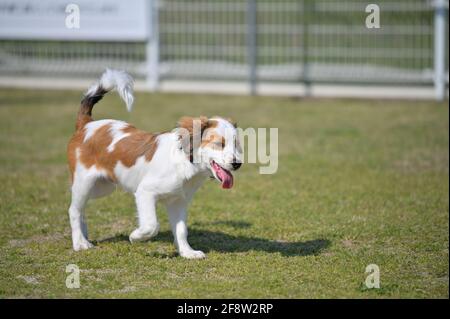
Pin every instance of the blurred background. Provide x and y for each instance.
(282, 47)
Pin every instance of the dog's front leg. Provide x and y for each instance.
(178, 218)
(148, 222)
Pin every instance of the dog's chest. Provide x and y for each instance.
(185, 190)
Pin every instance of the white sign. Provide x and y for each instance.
(101, 20)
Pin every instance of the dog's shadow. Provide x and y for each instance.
(207, 241)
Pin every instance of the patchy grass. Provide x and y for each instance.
(359, 182)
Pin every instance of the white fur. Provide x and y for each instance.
(83, 188)
(91, 127)
(169, 178)
(117, 133)
(119, 80)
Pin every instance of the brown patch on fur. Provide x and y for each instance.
(82, 120)
(137, 144)
(212, 123)
(187, 123)
(75, 142)
(214, 141)
(95, 150)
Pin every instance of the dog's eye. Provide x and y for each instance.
(219, 144)
(237, 145)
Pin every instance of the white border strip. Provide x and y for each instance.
(240, 88)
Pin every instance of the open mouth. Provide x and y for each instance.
(222, 175)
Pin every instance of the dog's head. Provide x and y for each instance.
(213, 145)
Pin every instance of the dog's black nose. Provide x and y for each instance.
(236, 165)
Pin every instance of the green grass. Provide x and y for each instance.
(359, 182)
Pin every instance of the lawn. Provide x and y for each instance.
(359, 182)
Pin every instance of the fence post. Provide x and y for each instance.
(252, 46)
(307, 10)
(152, 47)
(440, 7)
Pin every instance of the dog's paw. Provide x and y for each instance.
(82, 245)
(141, 235)
(193, 254)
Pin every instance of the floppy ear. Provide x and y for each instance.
(186, 132)
(187, 123)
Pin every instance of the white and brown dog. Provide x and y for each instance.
(167, 167)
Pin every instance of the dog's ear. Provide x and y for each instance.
(187, 122)
(186, 132)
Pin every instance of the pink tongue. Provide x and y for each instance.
(225, 176)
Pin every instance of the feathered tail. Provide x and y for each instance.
(111, 79)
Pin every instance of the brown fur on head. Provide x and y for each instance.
(187, 123)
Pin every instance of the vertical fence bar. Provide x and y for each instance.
(252, 49)
(306, 11)
(439, 48)
(152, 47)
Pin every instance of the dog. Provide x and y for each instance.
(167, 167)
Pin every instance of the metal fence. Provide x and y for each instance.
(283, 41)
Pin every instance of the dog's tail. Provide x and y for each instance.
(111, 79)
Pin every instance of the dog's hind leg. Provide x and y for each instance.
(81, 189)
